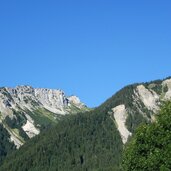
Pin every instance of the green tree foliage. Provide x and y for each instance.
(150, 147)
(5, 145)
(88, 141)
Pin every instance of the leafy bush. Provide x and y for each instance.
(150, 147)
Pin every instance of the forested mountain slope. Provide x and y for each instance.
(88, 141)
(93, 140)
(26, 111)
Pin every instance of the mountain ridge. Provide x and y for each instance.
(107, 128)
(20, 105)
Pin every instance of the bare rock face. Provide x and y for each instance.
(148, 97)
(167, 85)
(74, 100)
(53, 100)
(27, 97)
(120, 115)
(143, 102)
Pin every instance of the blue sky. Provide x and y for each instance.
(91, 48)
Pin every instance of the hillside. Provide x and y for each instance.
(83, 142)
(93, 140)
(26, 111)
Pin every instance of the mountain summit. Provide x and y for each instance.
(25, 111)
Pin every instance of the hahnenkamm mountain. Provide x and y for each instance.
(89, 140)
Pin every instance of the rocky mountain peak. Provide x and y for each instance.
(28, 97)
(24, 110)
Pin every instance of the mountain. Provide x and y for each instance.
(25, 111)
(93, 140)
